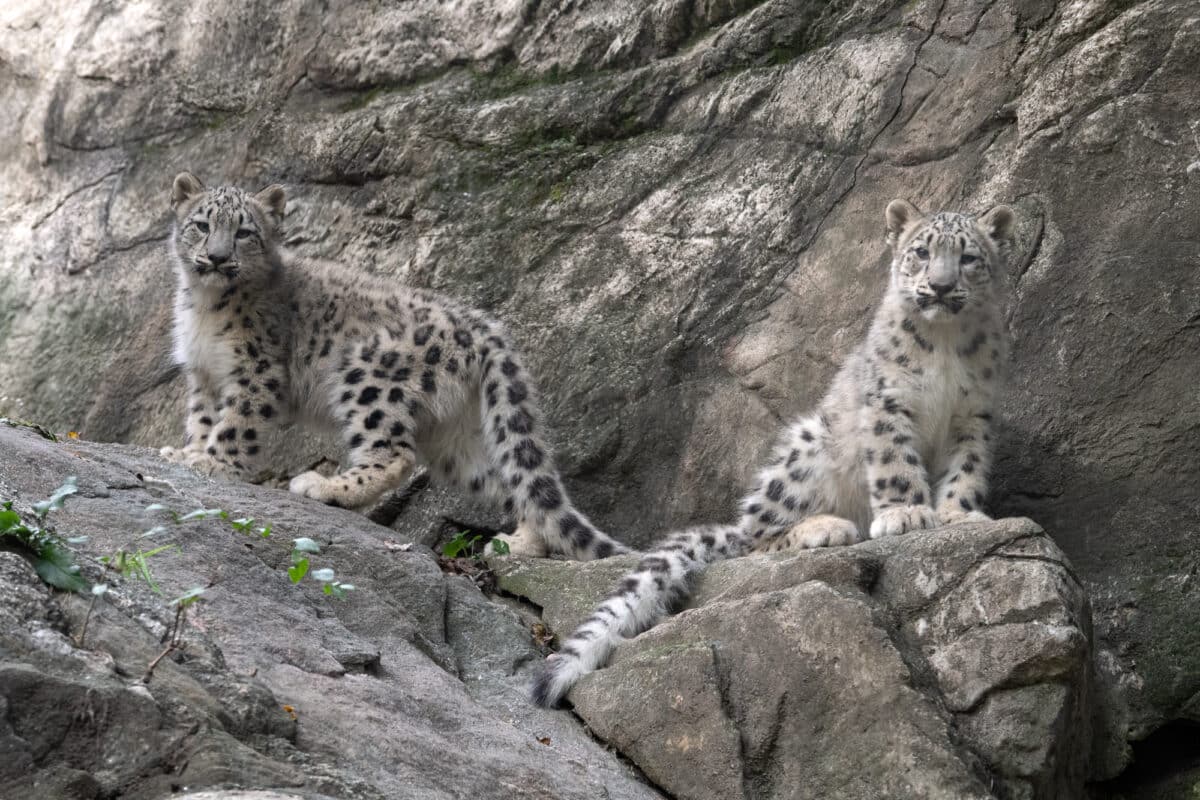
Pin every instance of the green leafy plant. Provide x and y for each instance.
(24, 423)
(57, 500)
(241, 525)
(246, 525)
(136, 564)
(460, 544)
(302, 547)
(52, 559)
(330, 585)
(189, 597)
(463, 545)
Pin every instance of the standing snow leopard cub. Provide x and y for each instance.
(900, 443)
(403, 374)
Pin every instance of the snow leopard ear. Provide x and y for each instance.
(185, 187)
(900, 215)
(997, 222)
(273, 200)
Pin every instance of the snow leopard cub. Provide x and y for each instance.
(403, 374)
(900, 443)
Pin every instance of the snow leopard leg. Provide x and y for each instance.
(247, 411)
(961, 491)
(794, 502)
(512, 428)
(896, 477)
(465, 462)
(203, 412)
(645, 595)
(378, 424)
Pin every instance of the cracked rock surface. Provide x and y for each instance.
(412, 687)
(677, 207)
(948, 664)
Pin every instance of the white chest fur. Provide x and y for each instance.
(947, 388)
(199, 343)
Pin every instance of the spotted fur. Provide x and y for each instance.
(901, 442)
(404, 375)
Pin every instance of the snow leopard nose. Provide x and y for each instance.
(941, 288)
(217, 259)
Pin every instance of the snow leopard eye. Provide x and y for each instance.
(201, 226)
(968, 259)
(244, 233)
(922, 253)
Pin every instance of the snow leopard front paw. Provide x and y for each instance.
(953, 516)
(176, 455)
(207, 465)
(823, 530)
(903, 519)
(312, 484)
(521, 542)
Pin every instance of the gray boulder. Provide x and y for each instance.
(949, 664)
(411, 687)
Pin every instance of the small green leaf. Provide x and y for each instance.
(9, 519)
(264, 531)
(201, 513)
(298, 570)
(58, 577)
(500, 547)
(306, 545)
(188, 597)
(55, 567)
(55, 503)
(327, 588)
(456, 546)
(242, 524)
(143, 571)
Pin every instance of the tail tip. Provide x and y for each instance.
(544, 691)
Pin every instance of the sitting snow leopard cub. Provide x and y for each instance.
(402, 373)
(900, 443)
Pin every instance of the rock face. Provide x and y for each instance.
(412, 687)
(952, 664)
(677, 206)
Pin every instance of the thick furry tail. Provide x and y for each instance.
(512, 428)
(658, 584)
